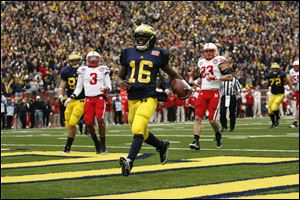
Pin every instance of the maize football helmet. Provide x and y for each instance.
(144, 37)
(75, 59)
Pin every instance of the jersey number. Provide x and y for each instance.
(209, 71)
(72, 83)
(276, 81)
(143, 75)
(94, 79)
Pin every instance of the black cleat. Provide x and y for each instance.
(163, 153)
(126, 165)
(103, 149)
(218, 137)
(66, 151)
(294, 125)
(195, 145)
(276, 124)
(223, 129)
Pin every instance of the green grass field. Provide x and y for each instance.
(254, 161)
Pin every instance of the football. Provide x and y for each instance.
(180, 89)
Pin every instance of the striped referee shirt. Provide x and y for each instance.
(230, 88)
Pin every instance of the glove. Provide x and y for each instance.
(105, 89)
(62, 99)
(212, 78)
(67, 101)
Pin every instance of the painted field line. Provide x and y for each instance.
(171, 148)
(145, 147)
(292, 195)
(193, 163)
(85, 157)
(207, 190)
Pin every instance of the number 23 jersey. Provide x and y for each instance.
(142, 69)
(69, 75)
(211, 68)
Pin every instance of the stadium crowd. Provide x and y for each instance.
(37, 37)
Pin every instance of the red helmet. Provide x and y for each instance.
(93, 59)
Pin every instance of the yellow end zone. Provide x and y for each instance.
(210, 190)
(85, 158)
(293, 195)
(199, 162)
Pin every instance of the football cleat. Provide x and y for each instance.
(126, 165)
(195, 145)
(294, 124)
(103, 150)
(65, 151)
(163, 153)
(218, 137)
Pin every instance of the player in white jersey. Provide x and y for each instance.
(95, 81)
(294, 73)
(213, 70)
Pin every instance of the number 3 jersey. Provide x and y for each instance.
(92, 80)
(211, 68)
(276, 81)
(142, 69)
(69, 75)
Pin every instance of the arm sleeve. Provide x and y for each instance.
(123, 57)
(107, 81)
(79, 85)
(63, 74)
(165, 57)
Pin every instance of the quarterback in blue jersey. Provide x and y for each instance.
(138, 72)
(74, 110)
(276, 80)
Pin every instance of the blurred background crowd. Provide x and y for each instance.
(37, 37)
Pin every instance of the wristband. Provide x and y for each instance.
(72, 96)
(218, 77)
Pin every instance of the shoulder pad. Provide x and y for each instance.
(81, 69)
(106, 69)
(221, 59)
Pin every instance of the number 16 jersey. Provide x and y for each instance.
(142, 69)
(211, 68)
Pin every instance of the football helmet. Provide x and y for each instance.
(144, 37)
(275, 66)
(210, 51)
(296, 65)
(93, 59)
(75, 59)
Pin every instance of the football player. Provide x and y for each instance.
(138, 72)
(276, 80)
(213, 70)
(74, 111)
(294, 74)
(95, 80)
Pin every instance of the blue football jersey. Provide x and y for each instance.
(69, 75)
(276, 81)
(142, 69)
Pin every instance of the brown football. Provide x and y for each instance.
(179, 88)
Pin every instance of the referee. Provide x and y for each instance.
(230, 90)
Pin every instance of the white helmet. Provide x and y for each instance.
(93, 59)
(296, 62)
(210, 46)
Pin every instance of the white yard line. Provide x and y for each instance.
(145, 147)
